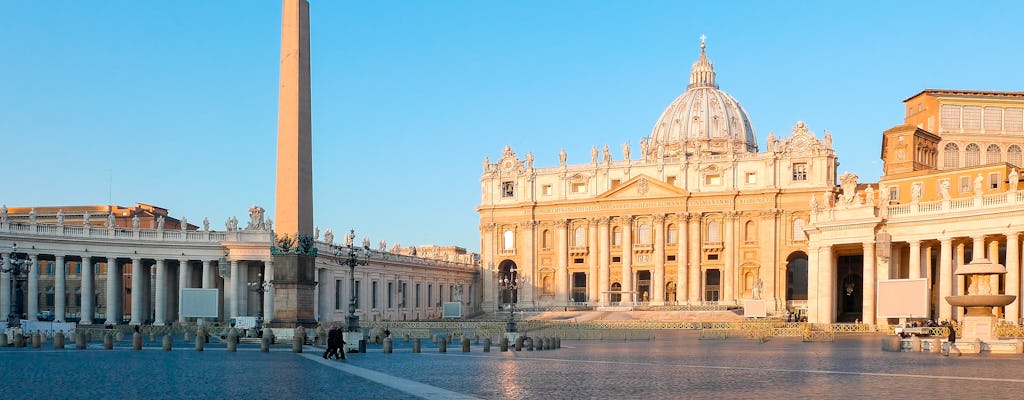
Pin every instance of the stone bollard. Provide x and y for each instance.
(265, 342)
(891, 343)
(1020, 346)
(416, 345)
(200, 343)
(58, 340)
(487, 345)
(915, 344)
(465, 345)
(108, 342)
(81, 343)
(387, 345)
(37, 340)
(136, 341)
(186, 337)
(232, 340)
(558, 342)
(504, 344)
(977, 346)
(3, 339)
(442, 346)
(269, 333)
(529, 344)
(449, 338)
(119, 336)
(19, 340)
(407, 338)
(434, 338)
(168, 341)
(935, 346)
(519, 344)
(42, 339)
(297, 343)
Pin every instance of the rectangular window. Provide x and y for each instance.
(616, 259)
(894, 194)
(1013, 119)
(417, 298)
(672, 258)
(713, 180)
(579, 187)
(800, 171)
(965, 184)
(751, 178)
(376, 304)
(972, 117)
(950, 118)
(440, 294)
(615, 183)
(508, 189)
(671, 180)
(993, 180)
(712, 257)
(546, 189)
(993, 119)
(338, 296)
(404, 287)
(577, 261)
(672, 235)
(357, 291)
(451, 293)
(391, 295)
(430, 295)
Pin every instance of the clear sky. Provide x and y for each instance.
(174, 103)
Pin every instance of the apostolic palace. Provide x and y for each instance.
(703, 213)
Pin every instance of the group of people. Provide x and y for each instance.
(335, 344)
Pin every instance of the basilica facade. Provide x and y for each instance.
(700, 214)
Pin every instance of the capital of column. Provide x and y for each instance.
(487, 226)
(627, 219)
(603, 221)
(659, 218)
(561, 222)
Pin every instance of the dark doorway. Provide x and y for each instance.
(615, 296)
(796, 276)
(850, 288)
(507, 271)
(712, 280)
(643, 286)
(579, 287)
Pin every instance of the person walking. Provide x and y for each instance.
(332, 339)
(952, 341)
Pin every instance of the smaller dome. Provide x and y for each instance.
(704, 117)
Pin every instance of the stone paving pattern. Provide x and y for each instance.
(675, 365)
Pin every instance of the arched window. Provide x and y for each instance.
(645, 234)
(993, 154)
(509, 242)
(545, 239)
(579, 237)
(972, 155)
(750, 232)
(617, 236)
(798, 230)
(714, 235)
(671, 234)
(1013, 155)
(951, 156)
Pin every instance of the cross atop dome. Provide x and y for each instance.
(702, 39)
(703, 73)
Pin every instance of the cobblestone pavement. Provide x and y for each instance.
(674, 365)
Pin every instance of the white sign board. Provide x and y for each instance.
(755, 309)
(201, 303)
(451, 309)
(903, 298)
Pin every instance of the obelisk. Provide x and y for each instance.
(294, 267)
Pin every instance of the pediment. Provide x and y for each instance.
(643, 186)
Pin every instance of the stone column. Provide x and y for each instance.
(59, 290)
(627, 259)
(235, 298)
(487, 266)
(658, 291)
(682, 263)
(593, 283)
(993, 255)
(1013, 275)
(870, 283)
(827, 285)
(33, 288)
(563, 262)
(729, 268)
(978, 248)
(184, 277)
(160, 305)
(959, 289)
(5, 289)
(137, 292)
(88, 287)
(814, 266)
(529, 267)
(113, 311)
(694, 268)
(268, 296)
(946, 280)
(603, 259)
(915, 259)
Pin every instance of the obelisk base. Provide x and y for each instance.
(294, 282)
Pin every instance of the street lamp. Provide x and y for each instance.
(511, 282)
(17, 267)
(352, 256)
(260, 286)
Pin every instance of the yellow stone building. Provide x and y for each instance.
(698, 215)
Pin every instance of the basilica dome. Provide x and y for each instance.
(703, 119)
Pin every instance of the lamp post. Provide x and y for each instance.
(259, 286)
(511, 282)
(17, 267)
(352, 256)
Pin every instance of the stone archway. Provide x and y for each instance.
(796, 277)
(508, 270)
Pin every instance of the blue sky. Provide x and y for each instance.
(174, 103)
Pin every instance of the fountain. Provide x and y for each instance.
(979, 322)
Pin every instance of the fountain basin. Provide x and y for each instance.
(981, 300)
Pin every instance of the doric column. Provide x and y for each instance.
(993, 255)
(627, 258)
(915, 259)
(236, 293)
(529, 267)
(268, 295)
(59, 290)
(659, 261)
(487, 266)
(959, 260)
(209, 279)
(592, 280)
(160, 303)
(729, 271)
(1013, 275)
(827, 285)
(112, 313)
(33, 288)
(5, 289)
(946, 280)
(603, 258)
(184, 277)
(682, 244)
(563, 262)
(137, 292)
(88, 283)
(695, 240)
(870, 282)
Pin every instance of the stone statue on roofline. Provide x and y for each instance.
(329, 236)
